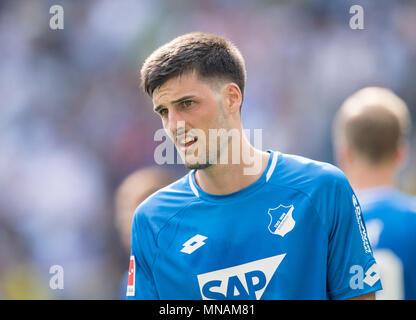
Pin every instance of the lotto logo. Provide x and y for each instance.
(245, 281)
(372, 275)
(194, 243)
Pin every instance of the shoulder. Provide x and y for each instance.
(325, 185)
(405, 203)
(163, 204)
(307, 174)
(388, 199)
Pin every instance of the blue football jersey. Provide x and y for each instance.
(390, 216)
(295, 233)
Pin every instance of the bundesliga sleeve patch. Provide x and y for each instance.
(360, 223)
(131, 279)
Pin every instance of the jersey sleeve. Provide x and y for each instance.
(352, 269)
(140, 283)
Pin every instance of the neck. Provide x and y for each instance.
(364, 175)
(220, 179)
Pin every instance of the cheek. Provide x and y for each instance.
(165, 126)
(168, 132)
(213, 114)
(165, 123)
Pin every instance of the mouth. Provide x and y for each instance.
(185, 143)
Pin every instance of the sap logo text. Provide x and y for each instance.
(245, 281)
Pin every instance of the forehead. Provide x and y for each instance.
(183, 85)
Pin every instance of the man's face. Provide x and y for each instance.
(189, 107)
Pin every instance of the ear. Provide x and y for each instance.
(401, 155)
(232, 98)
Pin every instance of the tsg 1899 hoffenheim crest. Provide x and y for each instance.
(281, 220)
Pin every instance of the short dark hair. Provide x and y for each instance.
(211, 56)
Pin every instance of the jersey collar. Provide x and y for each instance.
(266, 175)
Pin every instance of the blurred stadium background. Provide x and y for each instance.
(74, 123)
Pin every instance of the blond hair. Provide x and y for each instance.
(373, 122)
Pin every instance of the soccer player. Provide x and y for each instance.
(265, 225)
(369, 136)
(135, 188)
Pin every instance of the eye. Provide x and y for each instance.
(163, 112)
(187, 103)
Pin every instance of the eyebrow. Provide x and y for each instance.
(184, 98)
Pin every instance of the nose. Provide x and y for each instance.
(175, 123)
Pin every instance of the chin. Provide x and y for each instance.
(198, 166)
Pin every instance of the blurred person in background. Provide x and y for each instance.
(370, 132)
(135, 188)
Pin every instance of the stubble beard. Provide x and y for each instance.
(207, 161)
